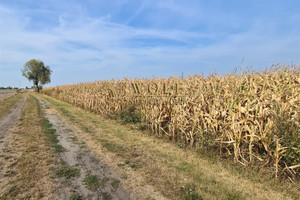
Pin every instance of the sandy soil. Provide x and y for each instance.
(78, 157)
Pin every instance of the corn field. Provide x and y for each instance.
(252, 117)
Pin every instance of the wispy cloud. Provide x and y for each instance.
(94, 40)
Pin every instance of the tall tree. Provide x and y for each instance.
(35, 70)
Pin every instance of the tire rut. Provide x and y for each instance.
(8, 121)
(6, 124)
(76, 156)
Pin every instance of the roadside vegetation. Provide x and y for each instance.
(176, 171)
(8, 104)
(251, 117)
(218, 137)
(28, 158)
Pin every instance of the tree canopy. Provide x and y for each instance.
(35, 70)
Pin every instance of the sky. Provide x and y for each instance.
(88, 40)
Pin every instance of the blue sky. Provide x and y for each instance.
(88, 40)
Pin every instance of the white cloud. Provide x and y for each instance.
(89, 44)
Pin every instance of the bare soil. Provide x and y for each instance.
(76, 156)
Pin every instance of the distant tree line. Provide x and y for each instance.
(15, 88)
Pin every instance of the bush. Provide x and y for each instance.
(131, 115)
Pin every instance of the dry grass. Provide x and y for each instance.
(145, 160)
(8, 104)
(253, 117)
(5, 93)
(30, 158)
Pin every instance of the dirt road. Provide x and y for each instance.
(32, 167)
(104, 184)
(7, 122)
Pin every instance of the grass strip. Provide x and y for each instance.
(31, 159)
(7, 105)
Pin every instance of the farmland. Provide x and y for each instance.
(6, 93)
(149, 100)
(234, 136)
(252, 117)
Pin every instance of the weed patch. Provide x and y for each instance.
(131, 115)
(110, 146)
(115, 183)
(189, 193)
(92, 182)
(51, 136)
(75, 197)
(67, 172)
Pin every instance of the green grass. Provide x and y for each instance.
(115, 183)
(233, 196)
(75, 197)
(51, 136)
(110, 146)
(91, 182)
(184, 166)
(58, 148)
(13, 190)
(189, 193)
(129, 163)
(131, 115)
(67, 172)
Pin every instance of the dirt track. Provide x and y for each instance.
(7, 122)
(76, 156)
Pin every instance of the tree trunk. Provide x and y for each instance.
(36, 83)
